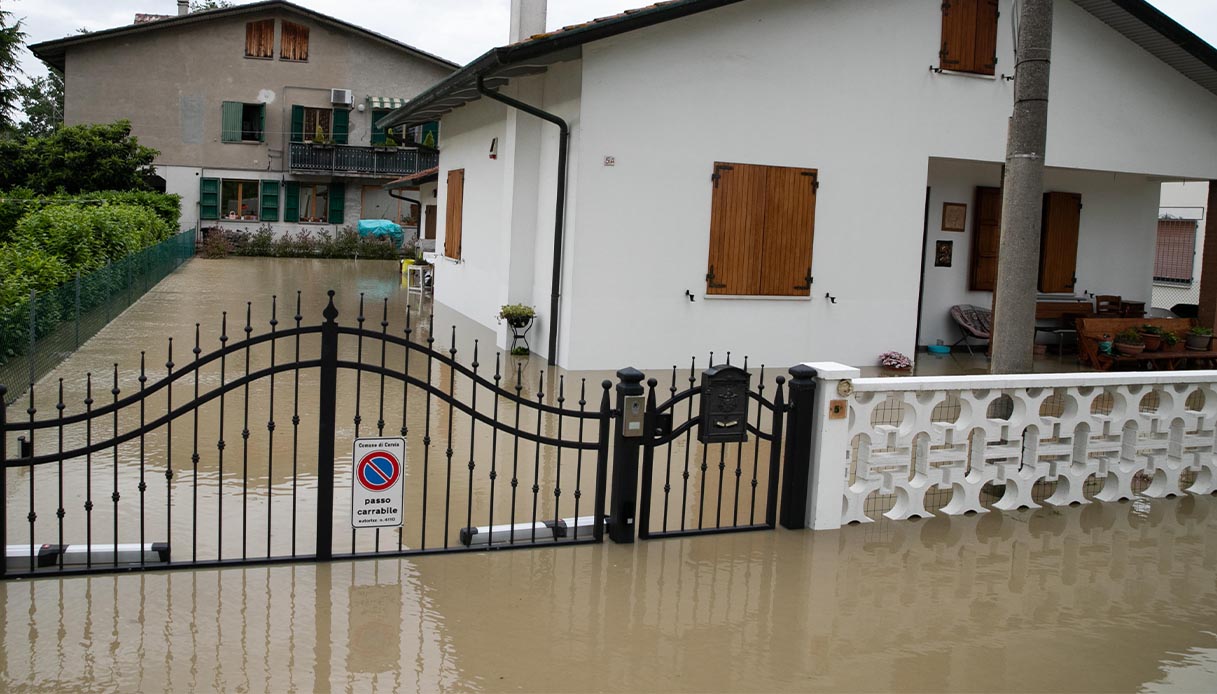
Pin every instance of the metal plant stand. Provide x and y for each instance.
(519, 333)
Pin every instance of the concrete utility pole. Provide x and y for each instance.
(1022, 195)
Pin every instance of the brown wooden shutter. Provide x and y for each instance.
(790, 219)
(1176, 250)
(985, 54)
(986, 239)
(1062, 218)
(958, 35)
(969, 36)
(260, 39)
(429, 228)
(737, 221)
(294, 44)
(455, 214)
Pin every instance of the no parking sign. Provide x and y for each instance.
(377, 491)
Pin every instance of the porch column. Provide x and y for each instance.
(1208, 269)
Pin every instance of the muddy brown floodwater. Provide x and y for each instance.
(1103, 597)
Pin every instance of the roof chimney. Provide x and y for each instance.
(527, 19)
(183, 7)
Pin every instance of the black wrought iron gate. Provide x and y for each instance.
(212, 463)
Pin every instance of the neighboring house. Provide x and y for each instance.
(771, 176)
(233, 98)
(1179, 256)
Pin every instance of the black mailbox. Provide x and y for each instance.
(724, 405)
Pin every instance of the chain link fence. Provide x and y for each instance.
(40, 332)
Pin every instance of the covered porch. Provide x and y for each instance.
(1097, 252)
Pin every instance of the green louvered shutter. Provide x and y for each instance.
(291, 201)
(338, 193)
(378, 133)
(297, 124)
(270, 201)
(230, 121)
(342, 125)
(209, 198)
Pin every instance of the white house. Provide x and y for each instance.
(798, 179)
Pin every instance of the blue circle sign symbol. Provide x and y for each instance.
(377, 471)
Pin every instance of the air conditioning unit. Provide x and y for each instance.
(342, 97)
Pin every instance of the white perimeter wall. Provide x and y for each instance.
(1116, 237)
(837, 85)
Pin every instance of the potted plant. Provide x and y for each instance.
(1129, 342)
(1151, 335)
(1171, 342)
(1198, 338)
(517, 315)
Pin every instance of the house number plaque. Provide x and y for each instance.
(724, 405)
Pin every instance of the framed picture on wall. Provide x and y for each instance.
(943, 251)
(954, 215)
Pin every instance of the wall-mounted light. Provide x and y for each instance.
(359, 108)
(494, 148)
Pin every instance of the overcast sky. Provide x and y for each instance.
(458, 30)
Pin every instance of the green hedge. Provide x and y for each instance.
(18, 202)
(347, 243)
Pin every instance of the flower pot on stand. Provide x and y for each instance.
(1199, 343)
(1129, 350)
(1153, 341)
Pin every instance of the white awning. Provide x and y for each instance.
(386, 102)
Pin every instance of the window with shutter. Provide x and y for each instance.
(342, 125)
(1062, 215)
(294, 43)
(337, 203)
(291, 201)
(969, 36)
(762, 224)
(1176, 251)
(260, 39)
(242, 122)
(454, 217)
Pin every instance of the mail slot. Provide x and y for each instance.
(724, 405)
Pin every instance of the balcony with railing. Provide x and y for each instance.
(353, 160)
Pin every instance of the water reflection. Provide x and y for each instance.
(1111, 597)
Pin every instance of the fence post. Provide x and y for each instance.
(327, 410)
(799, 430)
(29, 356)
(3, 477)
(825, 458)
(626, 441)
(602, 449)
(77, 309)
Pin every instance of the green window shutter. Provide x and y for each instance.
(342, 125)
(270, 201)
(291, 201)
(337, 202)
(209, 198)
(230, 121)
(262, 123)
(431, 134)
(297, 124)
(378, 134)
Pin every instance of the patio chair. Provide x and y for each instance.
(1107, 305)
(974, 323)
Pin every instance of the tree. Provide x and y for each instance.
(12, 38)
(42, 102)
(204, 5)
(76, 159)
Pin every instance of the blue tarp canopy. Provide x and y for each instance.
(382, 227)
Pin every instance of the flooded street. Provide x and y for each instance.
(1101, 597)
(1116, 597)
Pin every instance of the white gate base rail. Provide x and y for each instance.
(17, 557)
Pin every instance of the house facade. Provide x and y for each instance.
(262, 113)
(771, 177)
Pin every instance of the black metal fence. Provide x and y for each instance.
(232, 456)
(40, 332)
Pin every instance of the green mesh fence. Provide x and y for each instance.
(39, 333)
